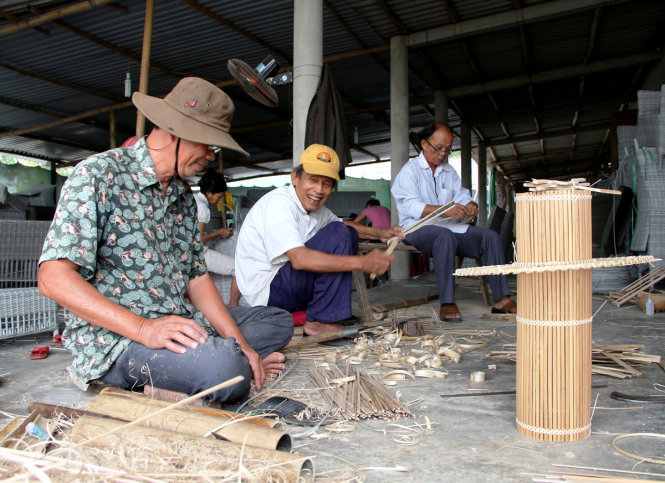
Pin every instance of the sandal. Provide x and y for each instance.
(509, 307)
(448, 310)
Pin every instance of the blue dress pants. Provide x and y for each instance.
(444, 245)
(325, 296)
(266, 329)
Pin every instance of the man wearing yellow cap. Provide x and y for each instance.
(294, 253)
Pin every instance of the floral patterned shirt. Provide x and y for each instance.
(136, 246)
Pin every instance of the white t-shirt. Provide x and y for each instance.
(275, 224)
(203, 207)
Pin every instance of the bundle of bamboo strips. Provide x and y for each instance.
(353, 394)
(639, 286)
(618, 360)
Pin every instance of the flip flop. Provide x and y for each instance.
(281, 406)
(507, 308)
(449, 309)
(39, 353)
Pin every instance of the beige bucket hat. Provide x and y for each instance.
(195, 110)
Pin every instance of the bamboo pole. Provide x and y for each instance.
(145, 63)
(268, 465)
(219, 413)
(190, 422)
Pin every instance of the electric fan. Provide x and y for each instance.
(254, 81)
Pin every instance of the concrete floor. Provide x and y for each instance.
(471, 438)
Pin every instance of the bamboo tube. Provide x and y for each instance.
(265, 464)
(190, 422)
(554, 317)
(218, 413)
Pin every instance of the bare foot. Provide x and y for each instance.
(273, 364)
(316, 328)
(506, 305)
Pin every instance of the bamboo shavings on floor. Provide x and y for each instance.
(618, 360)
(353, 394)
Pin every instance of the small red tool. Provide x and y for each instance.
(39, 353)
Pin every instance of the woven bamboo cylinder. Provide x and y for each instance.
(554, 316)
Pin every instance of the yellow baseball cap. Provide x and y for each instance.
(321, 160)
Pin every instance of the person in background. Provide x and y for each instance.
(423, 185)
(294, 253)
(213, 187)
(124, 258)
(378, 216)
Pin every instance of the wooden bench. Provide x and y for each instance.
(376, 312)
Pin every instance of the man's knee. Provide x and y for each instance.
(222, 360)
(492, 238)
(337, 238)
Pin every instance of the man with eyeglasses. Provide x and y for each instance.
(423, 185)
(124, 257)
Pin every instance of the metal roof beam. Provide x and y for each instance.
(52, 15)
(597, 127)
(590, 149)
(502, 20)
(232, 26)
(553, 75)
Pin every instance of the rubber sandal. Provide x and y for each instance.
(39, 353)
(279, 405)
(449, 309)
(507, 309)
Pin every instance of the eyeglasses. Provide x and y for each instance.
(214, 149)
(442, 149)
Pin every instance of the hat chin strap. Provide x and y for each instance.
(176, 176)
(177, 150)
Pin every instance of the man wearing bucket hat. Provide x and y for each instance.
(124, 257)
(294, 253)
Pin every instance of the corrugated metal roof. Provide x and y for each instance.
(48, 77)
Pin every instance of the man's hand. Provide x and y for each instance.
(376, 261)
(458, 212)
(256, 365)
(394, 231)
(471, 210)
(224, 232)
(171, 332)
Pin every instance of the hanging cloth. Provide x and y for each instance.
(326, 123)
